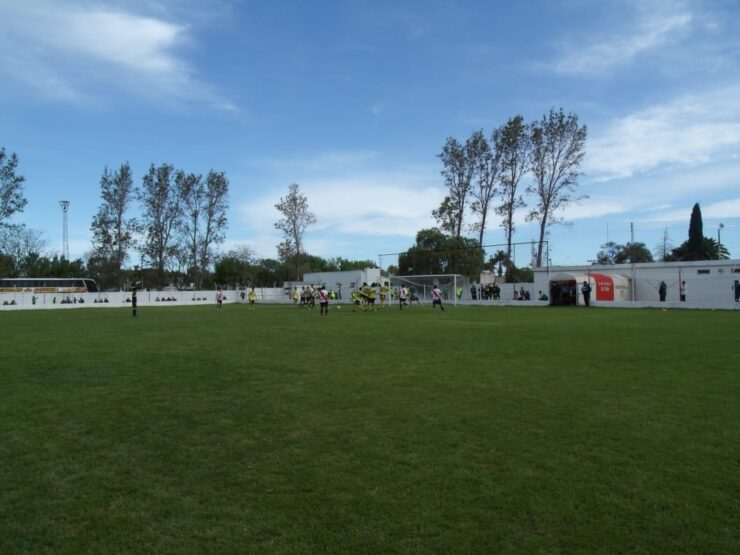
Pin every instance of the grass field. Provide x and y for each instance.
(480, 430)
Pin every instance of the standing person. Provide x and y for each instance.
(252, 298)
(662, 290)
(586, 290)
(402, 295)
(323, 301)
(682, 291)
(295, 296)
(383, 294)
(737, 291)
(437, 297)
(219, 299)
(133, 301)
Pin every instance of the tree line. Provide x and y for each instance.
(182, 222)
(483, 175)
(696, 247)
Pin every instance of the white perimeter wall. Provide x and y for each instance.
(144, 298)
(710, 283)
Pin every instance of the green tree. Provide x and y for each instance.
(113, 233)
(698, 247)
(696, 231)
(296, 219)
(162, 217)
(11, 187)
(232, 271)
(458, 164)
(437, 253)
(633, 253)
(215, 220)
(192, 191)
(515, 149)
(557, 143)
(486, 172)
(608, 253)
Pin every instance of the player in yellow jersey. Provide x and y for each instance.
(383, 294)
(252, 298)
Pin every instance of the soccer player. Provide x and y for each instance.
(323, 301)
(252, 298)
(219, 299)
(133, 301)
(437, 298)
(402, 294)
(295, 296)
(371, 298)
(383, 294)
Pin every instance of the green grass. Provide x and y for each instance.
(487, 430)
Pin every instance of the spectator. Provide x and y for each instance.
(586, 291)
(662, 290)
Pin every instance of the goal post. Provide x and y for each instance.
(420, 286)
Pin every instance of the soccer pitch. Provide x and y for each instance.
(478, 430)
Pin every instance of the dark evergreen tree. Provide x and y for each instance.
(696, 230)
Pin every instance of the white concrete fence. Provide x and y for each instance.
(16, 301)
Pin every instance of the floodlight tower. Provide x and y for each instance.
(65, 237)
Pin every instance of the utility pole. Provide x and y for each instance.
(719, 241)
(65, 237)
(632, 232)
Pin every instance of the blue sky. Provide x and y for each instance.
(354, 100)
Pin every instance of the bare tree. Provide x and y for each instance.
(557, 143)
(162, 217)
(243, 253)
(11, 187)
(296, 218)
(515, 147)
(113, 233)
(486, 169)
(20, 244)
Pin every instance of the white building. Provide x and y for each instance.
(707, 283)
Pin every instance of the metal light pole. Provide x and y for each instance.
(719, 240)
(65, 235)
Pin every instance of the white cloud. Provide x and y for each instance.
(65, 51)
(349, 195)
(605, 54)
(691, 130)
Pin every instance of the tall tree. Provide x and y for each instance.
(515, 147)
(486, 169)
(296, 219)
(191, 189)
(214, 215)
(557, 150)
(457, 170)
(664, 248)
(698, 247)
(113, 233)
(696, 230)
(11, 187)
(162, 217)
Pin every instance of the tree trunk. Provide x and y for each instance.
(542, 240)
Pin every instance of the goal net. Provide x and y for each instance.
(420, 287)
